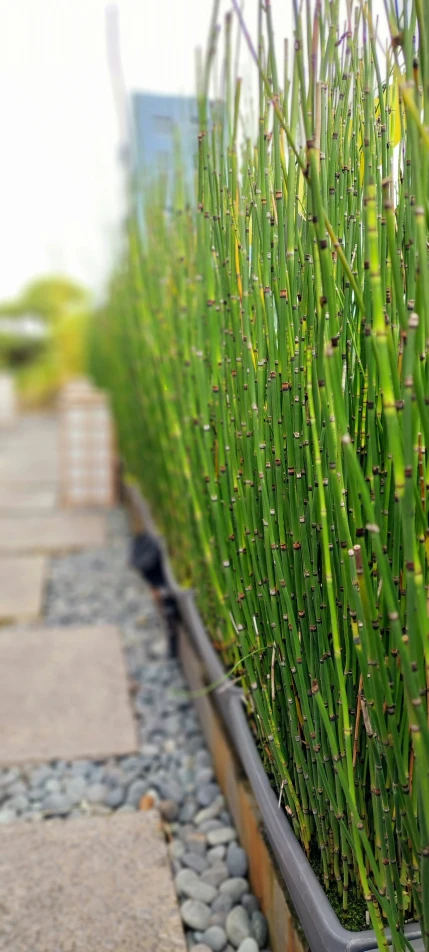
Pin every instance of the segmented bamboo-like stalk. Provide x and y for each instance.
(267, 351)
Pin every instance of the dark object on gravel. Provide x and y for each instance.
(171, 617)
(146, 557)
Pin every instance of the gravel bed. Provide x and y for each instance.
(173, 768)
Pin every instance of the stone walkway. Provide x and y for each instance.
(86, 863)
(22, 580)
(84, 884)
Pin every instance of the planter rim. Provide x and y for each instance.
(318, 919)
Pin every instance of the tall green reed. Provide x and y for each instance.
(266, 347)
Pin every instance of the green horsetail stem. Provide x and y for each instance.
(266, 347)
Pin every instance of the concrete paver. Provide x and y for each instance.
(63, 695)
(26, 468)
(20, 499)
(88, 885)
(21, 587)
(29, 452)
(28, 471)
(58, 531)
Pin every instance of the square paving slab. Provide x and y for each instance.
(53, 532)
(87, 885)
(18, 499)
(63, 695)
(21, 587)
(28, 469)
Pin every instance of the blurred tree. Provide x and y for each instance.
(48, 297)
(43, 364)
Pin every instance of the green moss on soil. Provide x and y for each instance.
(354, 917)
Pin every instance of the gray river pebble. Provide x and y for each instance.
(248, 945)
(115, 797)
(39, 776)
(74, 789)
(188, 811)
(237, 925)
(216, 853)
(211, 812)
(218, 918)
(195, 914)
(215, 875)
(235, 887)
(56, 804)
(222, 904)
(19, 803)
(194, 861)
(53, 785)
(236, 860)
(135, 792)
(215, 937)
(207, 793)
(96, 793)
(259, 928)
(189, 884)
(195, 841)
(169, 810)
(250, 903)
(222, 835)
(16, 789)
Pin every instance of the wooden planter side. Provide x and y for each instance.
(266, 882)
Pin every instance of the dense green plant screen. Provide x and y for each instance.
(266, 347)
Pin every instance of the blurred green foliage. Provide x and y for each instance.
(18, 351)
(48, 298)
(43, 364)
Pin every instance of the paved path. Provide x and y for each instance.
(57, 531)
(89, 883)
(65, 696)
(22, 580)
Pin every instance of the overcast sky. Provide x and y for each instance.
(61, 188)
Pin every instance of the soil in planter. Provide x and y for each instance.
(354, 917)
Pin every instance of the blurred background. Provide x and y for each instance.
(64, 157)
(86, 90)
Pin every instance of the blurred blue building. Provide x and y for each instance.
(159, 123)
